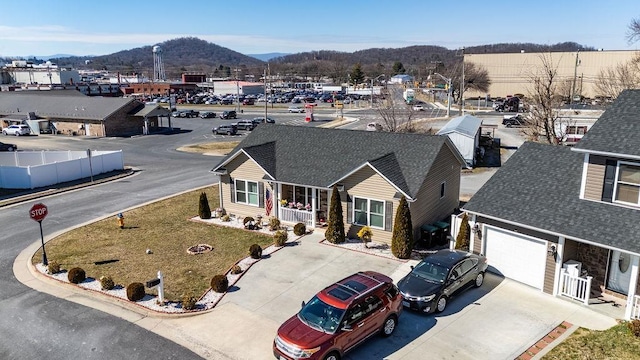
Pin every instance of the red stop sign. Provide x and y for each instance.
(38, 212)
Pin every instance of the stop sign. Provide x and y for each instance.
(38, 212)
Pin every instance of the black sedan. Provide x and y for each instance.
(8, 147)
(440, 276)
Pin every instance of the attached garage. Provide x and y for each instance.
(516, 256)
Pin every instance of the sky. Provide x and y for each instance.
(52, 27)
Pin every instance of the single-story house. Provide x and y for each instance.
(566, 220)
(71, 113)
(277, 167)
(401, 79)
(464, 132)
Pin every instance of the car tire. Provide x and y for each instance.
(389, 326)
(332, 356)
(10, 148)
(441, 303)
(16, 133)
(4, 133)
(215, 132)
(229, 133)
(479, 280)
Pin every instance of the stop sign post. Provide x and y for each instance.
(38, 212)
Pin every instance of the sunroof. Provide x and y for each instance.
(355, 285)
(341, 293)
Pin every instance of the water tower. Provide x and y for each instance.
(158, 65)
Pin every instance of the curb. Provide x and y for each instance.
(548, 342)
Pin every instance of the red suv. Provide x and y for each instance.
(340, 317)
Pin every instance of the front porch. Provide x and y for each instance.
(302, 204)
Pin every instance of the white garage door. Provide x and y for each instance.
(516, 256)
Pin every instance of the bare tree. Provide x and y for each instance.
(633, 33)
(545, 123)
(611, 81)
(476, 77)
(395, 116)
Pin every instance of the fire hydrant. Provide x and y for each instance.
(120, 220)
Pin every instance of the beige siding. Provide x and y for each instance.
(595, 178)
(366, 183)
(429, 207)
(549, 271)
(242, 168)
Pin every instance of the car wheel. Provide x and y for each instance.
(389, 326)
(441, 303)
(229, 133)
(479, 279)
(215, 132)
(16, 133)
(10, 148)
(332, 356)
(4, 133)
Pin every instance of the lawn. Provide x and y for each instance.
(221, 147)
(102, 248)
(615, 343)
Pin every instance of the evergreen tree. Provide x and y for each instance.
(335, 226)
(204, 210)
(398, 68)
(402, 238)
(462, 240)
(357, 76)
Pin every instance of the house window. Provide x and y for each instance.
(576, 130)
(247, 192)
(628, 183)
(443, 189)
(368, 212)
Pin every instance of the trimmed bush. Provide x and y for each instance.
(189, 302)
(236, 269)
(135, 291)
(225, 218)
(299, 229)
(255, 251)
(53, 267)
(248, 219)
(280, 237)
(106, 283)
(634, 326)
(274, 224)
(335, 226)
(203, 209)
(219, 283)
(402, 237)
(365, 234)
(76, 275)
(462, 240)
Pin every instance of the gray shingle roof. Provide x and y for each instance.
(539, 187)
(320, 157)
(618, 129)
(48, 104)
(467, 125)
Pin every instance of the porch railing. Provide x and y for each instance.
(575, 287)
(296, 216)
(635, 311)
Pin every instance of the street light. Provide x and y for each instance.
(378, 77)
(448, 80)
(237, 91)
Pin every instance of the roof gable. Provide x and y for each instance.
(467, 125)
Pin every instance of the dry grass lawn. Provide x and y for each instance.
(165, 228)
(615, 343)
(222, 147)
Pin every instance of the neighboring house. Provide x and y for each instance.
(401, 79)
(372, 170)
(464, 132)
(567, 220)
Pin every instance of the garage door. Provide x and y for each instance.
(516, 256)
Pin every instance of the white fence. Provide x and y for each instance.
(575, 287)
(296, 216)
(32, 169)
(635, 312)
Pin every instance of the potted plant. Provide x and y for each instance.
(300, 206)
(308, 207)
(283, 202)
(365, 235)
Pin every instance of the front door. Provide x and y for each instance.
(619, 272)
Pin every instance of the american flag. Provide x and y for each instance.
(268, 204)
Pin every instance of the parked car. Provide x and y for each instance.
(260, 120)
(514, 121)
(207, 114)
(340, 317)
(226, 101)
(185, 113)
(296, 109)
(231, 114)
(248, 101)
(229, 129)
(418, 107)
(373, 126)
(245, 124)
(8, 147)
(438, 277)
(17, 130)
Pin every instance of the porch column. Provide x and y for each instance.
(314, 201)
(558, 272)
(276, 206)
(472, 238)
(632, 287)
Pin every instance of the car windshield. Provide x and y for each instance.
(431, 272)
(321, 316)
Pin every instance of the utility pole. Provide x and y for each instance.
(575, 74)
(462, 86)
(237, 91)
(265, 95)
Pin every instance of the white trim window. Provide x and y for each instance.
(368, 212)
(247, 192)
(628, 183)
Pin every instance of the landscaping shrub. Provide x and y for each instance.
(76, 275)
(335, 226)
(189, 302)
(402, 237)
(634, 326)
(53, 267)
(365, 234)
(248, 219)
(236, 269)
(203, 209)
(219, 283)
(280, 237)
(255, 251)
(106, 283)
(274, 224)
(462, 240)
(299, 229)
(225, 218)
(135, 291)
